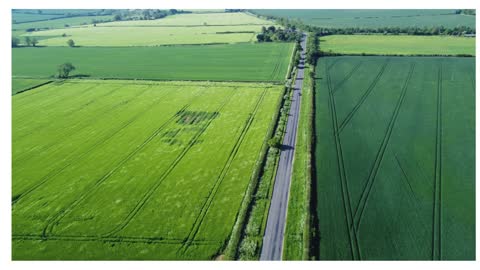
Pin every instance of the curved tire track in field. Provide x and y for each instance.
(352, 232)
(27, 155)
(63, 212)
(363, 97)
(211, 195)
(380, 153)
(437, 185)
(146, 197)
(347, 77)
(53, 173)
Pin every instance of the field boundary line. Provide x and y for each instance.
(213, 192)
(347, 77)
(146, 197)
(381, 152)
(33, 87)
(437, 184)
(60, 214)
(52, 174)
(364, 96)
(352, 234)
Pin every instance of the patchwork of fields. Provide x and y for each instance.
(235, 62)
(156, 168)
(398, 45)
(374, 18)
(395, 158)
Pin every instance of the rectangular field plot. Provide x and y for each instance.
(234, 62)
(134, 170)
(395, 158)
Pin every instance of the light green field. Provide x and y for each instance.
(20, 84)
(236, 18)
(234, 62)
(129, 170)
(395, 158)
(398, 45)
(149, 36)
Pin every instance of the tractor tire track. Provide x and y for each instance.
(381, 152)
(437, 186)
(347, 77)
(27, 155)
(211, 195)
(363, 97)
(146, 197)
(352, 233)
(59, 215)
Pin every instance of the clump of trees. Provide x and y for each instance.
(71, 43)
(64, 70)
(15, 42)
(145, 14)
(31, 41)
(272, 34)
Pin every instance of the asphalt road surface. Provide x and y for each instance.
(272, 248)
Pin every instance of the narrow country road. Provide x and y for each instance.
(272, 248)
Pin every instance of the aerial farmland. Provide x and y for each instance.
(232, 134)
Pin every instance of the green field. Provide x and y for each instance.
(21, 84)
(18, 18)
(236, 62)
(60, 23)
(398, 45)
(132, 170)
(395, 158)
(238, 18)
(369, 18)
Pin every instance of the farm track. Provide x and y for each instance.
(347, 77)
(437, 186)
(52, 174)
(86, 238)
(333, 64)
(352, 232)
(380, 153)
(363, 97)
(405, 176)
(211, 195)
(146, 197)
(27, 155)
(59, 215)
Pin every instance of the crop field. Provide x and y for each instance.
(59, 23)
(22, 17)
(238, 62)
(149, 36)
(395, 158)
(21, 84)
(134, 170)
(398, 45)
(368, 18)
(237, 18)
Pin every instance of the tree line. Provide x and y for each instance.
(411, 30)
(272, 34)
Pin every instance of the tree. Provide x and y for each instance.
(65, 69)
(28, 41)
(34, 42)
(117, 17)
(71, 43)
(15, 42)
(274, 142)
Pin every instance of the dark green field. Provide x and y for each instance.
(235, 62)
(395, 158)
(370, 18)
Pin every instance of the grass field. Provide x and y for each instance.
(134, 170)
(403, 45)
(368, 18)
(22, 17)
(395, 158)
(21, 84)
(237, 62)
